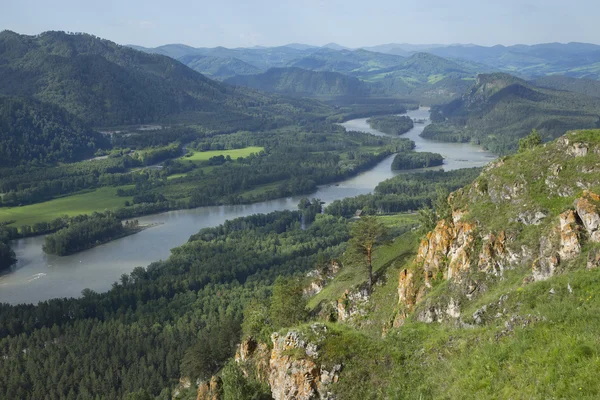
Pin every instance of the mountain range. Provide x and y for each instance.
(528, 61)
(430, 73)
(105, 84)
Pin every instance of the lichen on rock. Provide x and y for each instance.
(295, 371)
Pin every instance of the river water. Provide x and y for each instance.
(39, 276)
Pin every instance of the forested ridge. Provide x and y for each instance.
(298, 81)
(499, 109)
(105, 84)
(43, 133)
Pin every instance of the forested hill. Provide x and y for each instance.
(31, 130)
(299, 81)
(219, 67)
(499, 109)
(346, 61)
(589, 87)
(106, 84)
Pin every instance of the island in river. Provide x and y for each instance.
(87, 231)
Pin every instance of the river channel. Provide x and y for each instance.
(38, 276)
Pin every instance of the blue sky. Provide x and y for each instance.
(233, 23)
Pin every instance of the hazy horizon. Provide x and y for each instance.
(349, 23)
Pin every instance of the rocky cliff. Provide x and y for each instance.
(540, 218)
(292, 365)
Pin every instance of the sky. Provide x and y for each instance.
(352, 23)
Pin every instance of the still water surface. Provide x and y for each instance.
(39, 276)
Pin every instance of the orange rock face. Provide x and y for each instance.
(570, 245)
(589, 213)
(256, 353)
(294, 373)
(211, 390)
(447, 248)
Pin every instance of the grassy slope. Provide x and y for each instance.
(549, 349)
(85, 203)
(384, 262)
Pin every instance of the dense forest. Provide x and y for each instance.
(404, 192)
(31, 131)
(105, 84)
(193, 302)
(391, 124)
(414, 160)
(7, 256)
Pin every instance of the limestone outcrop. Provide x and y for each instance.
(320, 277)
(292, 371)
(565, 241)
(352, 304)
(254, 354)
(211, 390)
(457, 249)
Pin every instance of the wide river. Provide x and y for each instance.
(39, 276)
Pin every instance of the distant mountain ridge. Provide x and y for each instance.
(574, 59)
(297, 81)
(105, 84)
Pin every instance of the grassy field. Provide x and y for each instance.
(85, 203)
(201, 156)
(175, 176)
(386, 259)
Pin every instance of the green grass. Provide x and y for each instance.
(98, 200)
(431, 79)
(261, 190)
(386, 260)
(555, 354)
(175, 176)
(201, 156)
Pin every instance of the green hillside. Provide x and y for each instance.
(425, 77)
(346, 61)
(297, 81)
(219, 67)
(579, 60)
(30, 130)
(105, 84)
(588, 87)
(499, 109)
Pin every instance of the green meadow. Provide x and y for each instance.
(201, 156)
(85, 203)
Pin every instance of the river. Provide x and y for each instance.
(38, 276)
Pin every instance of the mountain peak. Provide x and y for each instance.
(335, 46)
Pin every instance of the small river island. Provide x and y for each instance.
(414, 160)
(88, 231)
(392, 124)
